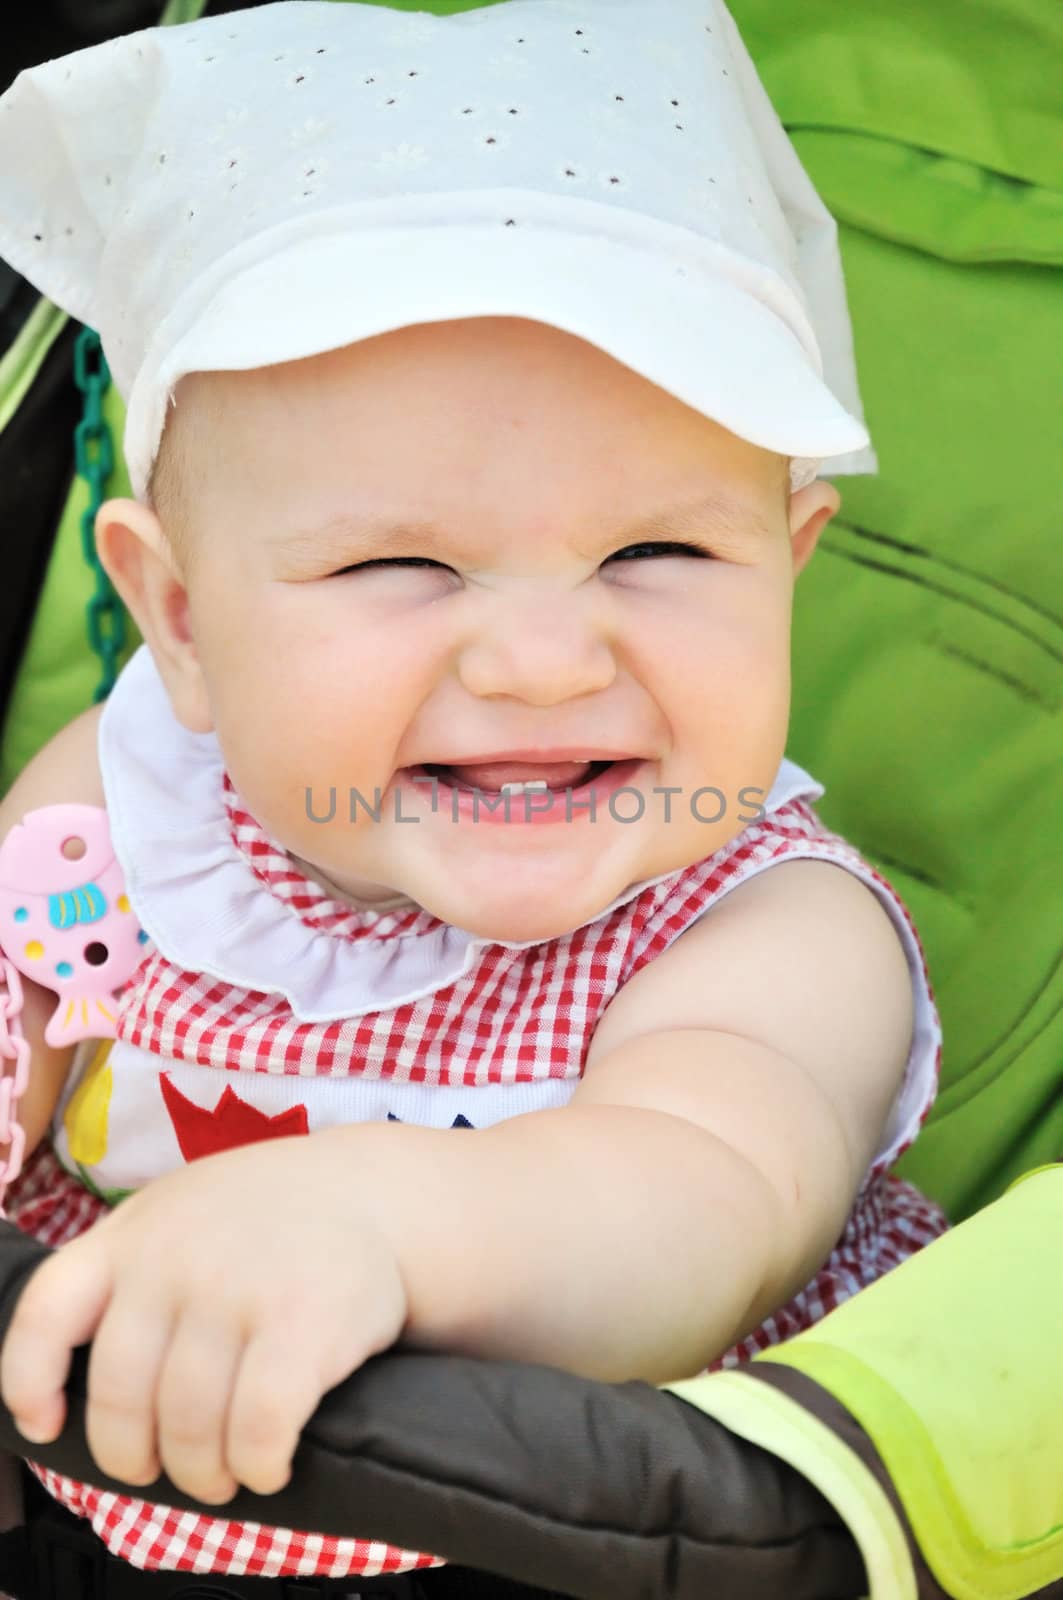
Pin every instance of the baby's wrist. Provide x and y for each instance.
(427, 1192)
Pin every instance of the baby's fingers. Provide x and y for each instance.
(59, 1309)
(275, 1394)
(124, 1363)
(193, 1406)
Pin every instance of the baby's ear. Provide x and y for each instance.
(811, 508)
(138, 559)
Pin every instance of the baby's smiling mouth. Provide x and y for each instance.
(491, 777)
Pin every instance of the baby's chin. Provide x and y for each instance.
(512, 913)
(511, 919)
(513, 897)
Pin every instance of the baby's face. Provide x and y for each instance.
(445, 545)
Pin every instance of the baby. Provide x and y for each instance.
(502, 992)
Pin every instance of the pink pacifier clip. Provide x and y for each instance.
(66, 923)
(13, 1048)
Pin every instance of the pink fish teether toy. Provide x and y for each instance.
(65, 920)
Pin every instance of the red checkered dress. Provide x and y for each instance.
(518, 1019)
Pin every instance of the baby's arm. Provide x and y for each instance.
(66, 771)
(735, 1094)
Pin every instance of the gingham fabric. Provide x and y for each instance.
(520, 1016)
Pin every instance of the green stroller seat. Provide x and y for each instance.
(909, 1444)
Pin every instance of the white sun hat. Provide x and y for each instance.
(267, 185)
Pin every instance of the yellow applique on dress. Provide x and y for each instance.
(85, 1118)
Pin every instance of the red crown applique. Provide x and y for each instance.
(232, 1122)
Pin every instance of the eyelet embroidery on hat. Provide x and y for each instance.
(409, 156)
(403, 157)
(304, 132)
(422, 81)
(508, 65)
(494, 140)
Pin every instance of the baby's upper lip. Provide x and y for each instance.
(568, 752)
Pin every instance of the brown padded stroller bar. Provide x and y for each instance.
(588, 1488)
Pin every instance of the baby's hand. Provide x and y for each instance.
(222, 1302)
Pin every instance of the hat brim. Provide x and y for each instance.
(683, 325)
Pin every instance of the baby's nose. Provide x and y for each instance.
(542, 649)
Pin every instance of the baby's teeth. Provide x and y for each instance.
(519, 788)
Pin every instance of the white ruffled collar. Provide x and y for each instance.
(248, 917)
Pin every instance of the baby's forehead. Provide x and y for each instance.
(488, 341)
(485, 402)
(529, 367)
(387, 379)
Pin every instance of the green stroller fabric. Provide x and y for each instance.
(928, 640)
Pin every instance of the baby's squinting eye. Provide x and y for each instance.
(637, 551)
(388, 561)
(661, 548)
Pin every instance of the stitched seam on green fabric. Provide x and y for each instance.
(950, 594)
(897, 571)
(935, 558)
(914, 1463)
(991, 670)
(26, 355)
(968, 588)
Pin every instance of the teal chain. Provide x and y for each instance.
(94, 461)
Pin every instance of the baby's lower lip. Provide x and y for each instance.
(532, 808)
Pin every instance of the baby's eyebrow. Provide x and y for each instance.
(717, 512)
(354, 536)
